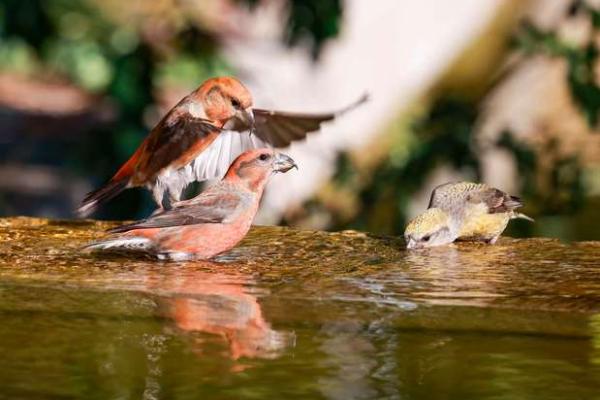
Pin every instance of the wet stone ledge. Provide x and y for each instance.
(531, 286)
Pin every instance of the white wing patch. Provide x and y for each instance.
(130, 243)
(215, 160)
(211, 164)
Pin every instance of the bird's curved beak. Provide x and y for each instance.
(242, 120)
(283, 163)
(246, 117)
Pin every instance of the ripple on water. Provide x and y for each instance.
(333, 314)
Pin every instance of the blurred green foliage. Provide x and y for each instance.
(445, 136)
(565, 177)
(581, 62)
(441, 136)
(76, 41)
(313, 20)
(316, 20)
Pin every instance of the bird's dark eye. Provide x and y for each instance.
(426, 238)
(264, 157)
(235, 103)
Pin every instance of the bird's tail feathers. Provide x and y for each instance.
(522, 216)
(121, 243)
(102, 195)
(513, 202)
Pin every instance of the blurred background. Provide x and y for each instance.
(501, 91)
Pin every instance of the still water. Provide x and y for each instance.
(296, 314)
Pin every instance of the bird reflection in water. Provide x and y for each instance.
(469, 274)
(210, 298)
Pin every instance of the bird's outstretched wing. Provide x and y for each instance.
(280, 128)
(208, 208)
(271, 129)
(174, 142)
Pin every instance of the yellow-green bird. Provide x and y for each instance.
(465, 211)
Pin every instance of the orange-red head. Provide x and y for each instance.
(225, 99)
(253, 167)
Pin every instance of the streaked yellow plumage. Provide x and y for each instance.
(429, 221)
(463, 210)
(484, 227)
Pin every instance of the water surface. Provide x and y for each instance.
(297, 314)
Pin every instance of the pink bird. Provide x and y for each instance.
(220, 304)
(200, 137)
(210, 223)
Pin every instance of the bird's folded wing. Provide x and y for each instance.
(280, 128)
(215, 160)
(496, 200)
(454, 194)
(207, 208)
(175, 142)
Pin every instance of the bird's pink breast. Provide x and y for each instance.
(203, 241)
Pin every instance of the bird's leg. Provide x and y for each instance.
(173, 197)
(158, 194)
(167, 204)
(493, 240)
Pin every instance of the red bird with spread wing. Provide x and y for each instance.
(210, 223)
(200, 137)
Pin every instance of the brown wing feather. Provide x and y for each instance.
(175, 141)
(496, 200)
(271, 126)
(207, 208)
(281, 128)
(451, 196)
